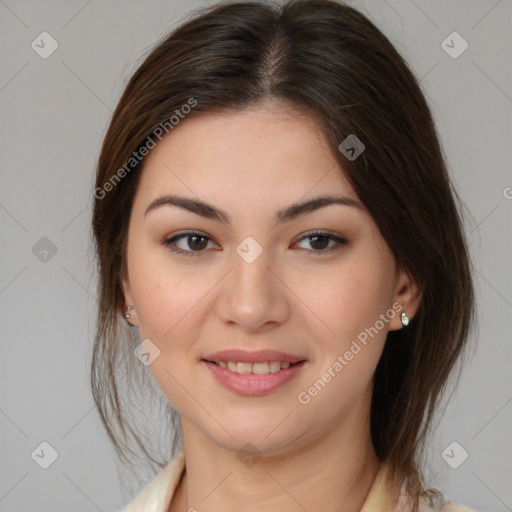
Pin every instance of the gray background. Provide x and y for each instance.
(54, 113)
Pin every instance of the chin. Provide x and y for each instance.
(262, 437)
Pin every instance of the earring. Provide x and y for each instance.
(405, 319)
(127, 315)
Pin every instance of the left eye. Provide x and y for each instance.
(321, 241)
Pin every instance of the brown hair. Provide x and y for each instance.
(331, 61)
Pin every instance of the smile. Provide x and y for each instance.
(253, 379)
(246, 368)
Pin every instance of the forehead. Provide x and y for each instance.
(264, 151)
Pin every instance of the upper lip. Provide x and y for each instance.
(257, 356)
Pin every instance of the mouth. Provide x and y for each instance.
(261, 368)
(253, 373)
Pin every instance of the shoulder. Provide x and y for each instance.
(157, 494)
(431, 500)
(442, 505)
(448, 506)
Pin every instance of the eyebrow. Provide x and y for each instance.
(285, 215)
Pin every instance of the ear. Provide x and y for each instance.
(407, 299)
(128, 301)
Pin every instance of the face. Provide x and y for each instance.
(259, 286)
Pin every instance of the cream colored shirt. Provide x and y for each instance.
(157, 494)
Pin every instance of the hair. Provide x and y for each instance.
(328, 60)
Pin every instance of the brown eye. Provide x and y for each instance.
(192, 244)
(319, 241)
(197, 242)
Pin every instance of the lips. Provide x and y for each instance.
(253, 373)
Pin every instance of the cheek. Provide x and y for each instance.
(167, 293)
(169, 303)
(349, 301)
(348, 297)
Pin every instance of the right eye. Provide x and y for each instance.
(195, 243)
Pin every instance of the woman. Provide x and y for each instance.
(274, 219)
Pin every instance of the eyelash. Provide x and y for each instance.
(170, 241)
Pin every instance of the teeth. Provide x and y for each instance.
(244, 367)
(275, 366)
(256, 368)
(260, 368)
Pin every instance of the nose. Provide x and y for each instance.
(254, 297)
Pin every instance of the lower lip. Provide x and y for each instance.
(250, 384)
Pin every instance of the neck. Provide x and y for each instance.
(333, 473)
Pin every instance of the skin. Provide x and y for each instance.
(316, 456)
